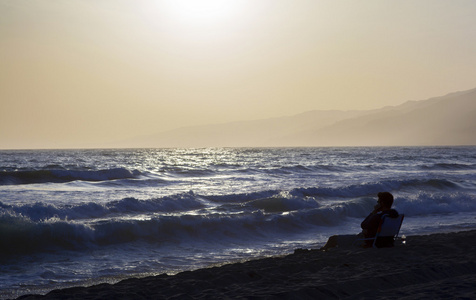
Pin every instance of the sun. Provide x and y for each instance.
(196, 12)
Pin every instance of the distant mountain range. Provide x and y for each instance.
(446, 120)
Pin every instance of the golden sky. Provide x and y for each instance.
(81, 73)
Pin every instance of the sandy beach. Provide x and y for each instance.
(429, 266)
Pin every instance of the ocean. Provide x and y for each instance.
(83, 217)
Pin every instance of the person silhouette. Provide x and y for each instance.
(369, 225)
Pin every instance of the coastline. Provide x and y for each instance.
(441, 265)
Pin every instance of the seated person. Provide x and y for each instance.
(369, 225)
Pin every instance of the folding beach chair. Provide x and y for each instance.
(387, 231)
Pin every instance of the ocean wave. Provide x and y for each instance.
(21, 235)
(174, 203)
(430, 203)
(59, 175)
(176, 171)
(289, 169)
(372, 188)
(368, 189)
(448, 166)
(296, 169)
(43, 211)
(270, 201)
(283, 203)
(441, 184)
(259, 218)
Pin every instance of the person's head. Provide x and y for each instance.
(385, 199)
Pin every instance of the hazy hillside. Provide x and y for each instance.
(446, 120)
(268, 132)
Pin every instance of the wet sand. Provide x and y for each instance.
(426, 267)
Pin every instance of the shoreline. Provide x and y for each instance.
(441, 265)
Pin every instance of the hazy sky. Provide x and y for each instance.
(76, 73)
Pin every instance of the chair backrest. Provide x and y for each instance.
(390, 227)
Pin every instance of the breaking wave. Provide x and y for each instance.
(90, 210)
(189, 218)
(57, 176)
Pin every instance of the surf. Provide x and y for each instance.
(59, 176)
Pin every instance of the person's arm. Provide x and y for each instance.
(369, 221)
